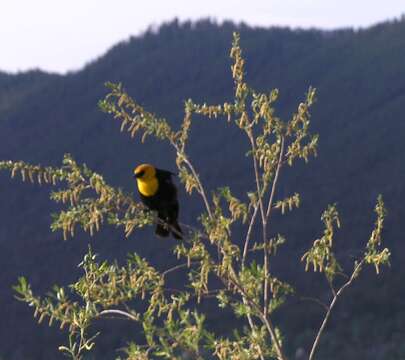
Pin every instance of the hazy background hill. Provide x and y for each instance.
(360, 77)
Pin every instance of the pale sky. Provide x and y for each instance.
(63, 35)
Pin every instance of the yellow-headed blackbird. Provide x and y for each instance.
(158, 193)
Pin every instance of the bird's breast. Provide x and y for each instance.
(148, 188)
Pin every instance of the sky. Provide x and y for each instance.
(64, 35)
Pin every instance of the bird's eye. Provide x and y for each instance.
(140, 174)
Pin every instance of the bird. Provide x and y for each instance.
(158, 193)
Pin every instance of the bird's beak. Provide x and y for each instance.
(138, 175)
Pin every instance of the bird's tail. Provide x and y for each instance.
(167, 226)
(162, 230)
(176, 230)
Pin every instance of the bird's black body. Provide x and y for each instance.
(165, 202)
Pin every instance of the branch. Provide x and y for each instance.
(331, 306)
(252, 326)
(202, 191)
(315, 300)
(266, 219)
(174, 268)
(267, 322)
(245, 251)
(257, 176)
(248, 235)
(196, 177)
(273, 188)
(118, 312)
(260, 202)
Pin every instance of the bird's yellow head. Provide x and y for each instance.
(145, 172)
(145, 176)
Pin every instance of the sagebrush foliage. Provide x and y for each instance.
(174, 327)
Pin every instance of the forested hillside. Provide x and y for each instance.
(360, 78)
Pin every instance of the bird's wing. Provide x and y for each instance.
(167, 189)
(164, 174)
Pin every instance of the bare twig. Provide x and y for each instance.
(118, 312)
(263, 317)
(273, 188)
(261, 207)
(266, 220)
(257, 175)
(248, 235)
(315, 300)
(331, 306)
(196, 177)
(174, 268)
(202, 191)
(252, 326)
(266, 280)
